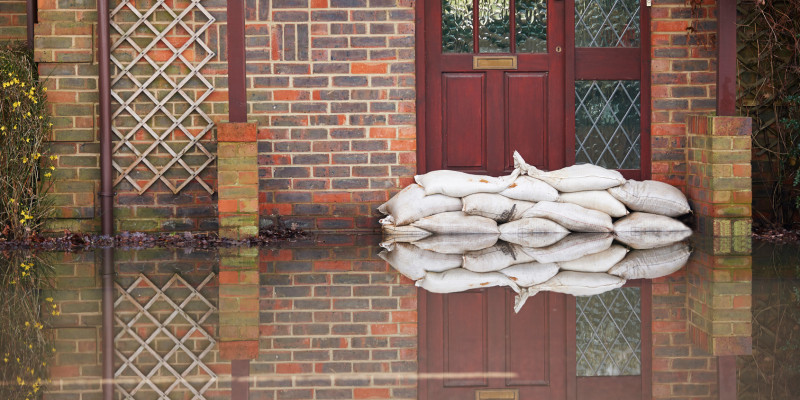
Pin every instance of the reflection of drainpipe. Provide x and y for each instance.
(106, 195)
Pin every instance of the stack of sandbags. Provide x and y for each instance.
(580, 264)
(529, 202)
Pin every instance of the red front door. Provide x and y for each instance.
(473, 341)
(494, 83)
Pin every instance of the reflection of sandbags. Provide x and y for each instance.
(533, 239)
(530, 189)
(653, 263)
(460, 279)
(405, 233)
(599, 200)
(412, 261)
(576, 178)
(494, 206)
(646, 231)
(652, 197)
(571, 216)
(456, 222)
(460, 184)
(526, 226)
(457, 244)
(581, 283)
(529, 274)
(598, 262)
(572, 247)
(412, 204)
(495, 258)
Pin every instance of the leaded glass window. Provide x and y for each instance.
(609, 333)
(607, 23)
(531, 26)
(495, 27)
(608, 123)
(457, 26)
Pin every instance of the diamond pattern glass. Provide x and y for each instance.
(607, 123)
(607, 23)
(495, 26)
(456, 26)
(531, 26)
(609, 333)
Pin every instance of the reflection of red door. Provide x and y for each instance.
(478, 111)
(473, 341)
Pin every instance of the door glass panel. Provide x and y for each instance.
(609, 333)
(457, 26)
(607, 123)
(495, 26)
(607, 23)
(531, 26)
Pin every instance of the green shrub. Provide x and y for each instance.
(25, 166)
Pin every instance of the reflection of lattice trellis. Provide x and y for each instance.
(609, 333)
(161, 343)
(158, 55)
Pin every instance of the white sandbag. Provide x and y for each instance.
(652, 197)
(598, 262)
(460, 184)
(571, 282)
(460, 279)
(494, 206)
(653, 263)
(533, 239)
(526, 226)
(405, 233)
(576, 178)
(456, 222)
(413, 262)
(529, 274)
(495, 258)
(571, 216)
(581, 283)
(646, 231)
(411, 204)
(530, 189)
(572, 247)
(457, 244)
(599, 200)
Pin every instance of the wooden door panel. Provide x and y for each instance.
(526, 117)
(528, 347)
(465, 341)
(463, 124)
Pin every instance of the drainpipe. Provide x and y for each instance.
(106, 195)
(30, 15)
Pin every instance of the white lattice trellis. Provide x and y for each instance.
(138, 26)
(163, 331)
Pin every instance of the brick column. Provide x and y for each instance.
(237, 166)
(720, 299)
(238, 303)
(719, 184)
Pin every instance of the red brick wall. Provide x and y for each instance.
(332, 87)
(683, 79)
(13, 20)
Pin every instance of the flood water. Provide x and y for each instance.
(331, 319)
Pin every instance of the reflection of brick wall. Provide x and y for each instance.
(332, 87)
(76, 368)
(683, 81)
(680, 370)
(354, 317)
(13, 22)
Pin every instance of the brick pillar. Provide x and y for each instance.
(237, 166)
(720, 297)
(719, 184)
(238, 303)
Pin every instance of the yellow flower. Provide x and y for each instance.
(27, 323)
(11, 201)
(15, 104)
(44, 89)
(54, 157)
(24, 160)
(49, 299)
(52, 168)
(29, 113)
(47, 174)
